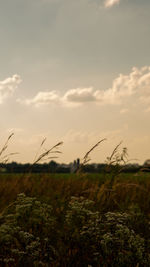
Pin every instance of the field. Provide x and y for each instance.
(75, 219)
(127, 189)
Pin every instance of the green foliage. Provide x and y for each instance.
(26, 228)
(103, 239)
(55, 229)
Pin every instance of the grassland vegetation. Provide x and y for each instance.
(78, 219)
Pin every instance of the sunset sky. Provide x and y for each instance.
(75, 71)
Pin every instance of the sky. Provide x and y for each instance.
(77, 72)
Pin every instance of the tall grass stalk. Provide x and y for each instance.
(5, 158)
(86, 157)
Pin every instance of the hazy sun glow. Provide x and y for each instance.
(110, 3)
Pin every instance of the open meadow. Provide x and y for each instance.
(126, 190)
(75, 219)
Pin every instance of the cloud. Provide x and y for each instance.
(42, 98)
(8, 87)
(79, 96)
(144, 84)
(134, 85)
(110, 3)
(72, 97)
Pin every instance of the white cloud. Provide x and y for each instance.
(137, 83)
(43, 98)
(79, 96)
(8, 86)
(134, 85)
(110, 3)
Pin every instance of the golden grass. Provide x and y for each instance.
(55, 188)
(112, 191)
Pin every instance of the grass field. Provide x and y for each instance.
(126, 189)
(75, 219)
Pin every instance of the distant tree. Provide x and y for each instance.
(52, 166)
(147, 163)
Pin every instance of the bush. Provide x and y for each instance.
(97, 239)
(27, 233)
(30, 235)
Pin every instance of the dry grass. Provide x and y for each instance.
(58, 189)
(48, 153)
(86, 157)
(4, 157)
(110, 191)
